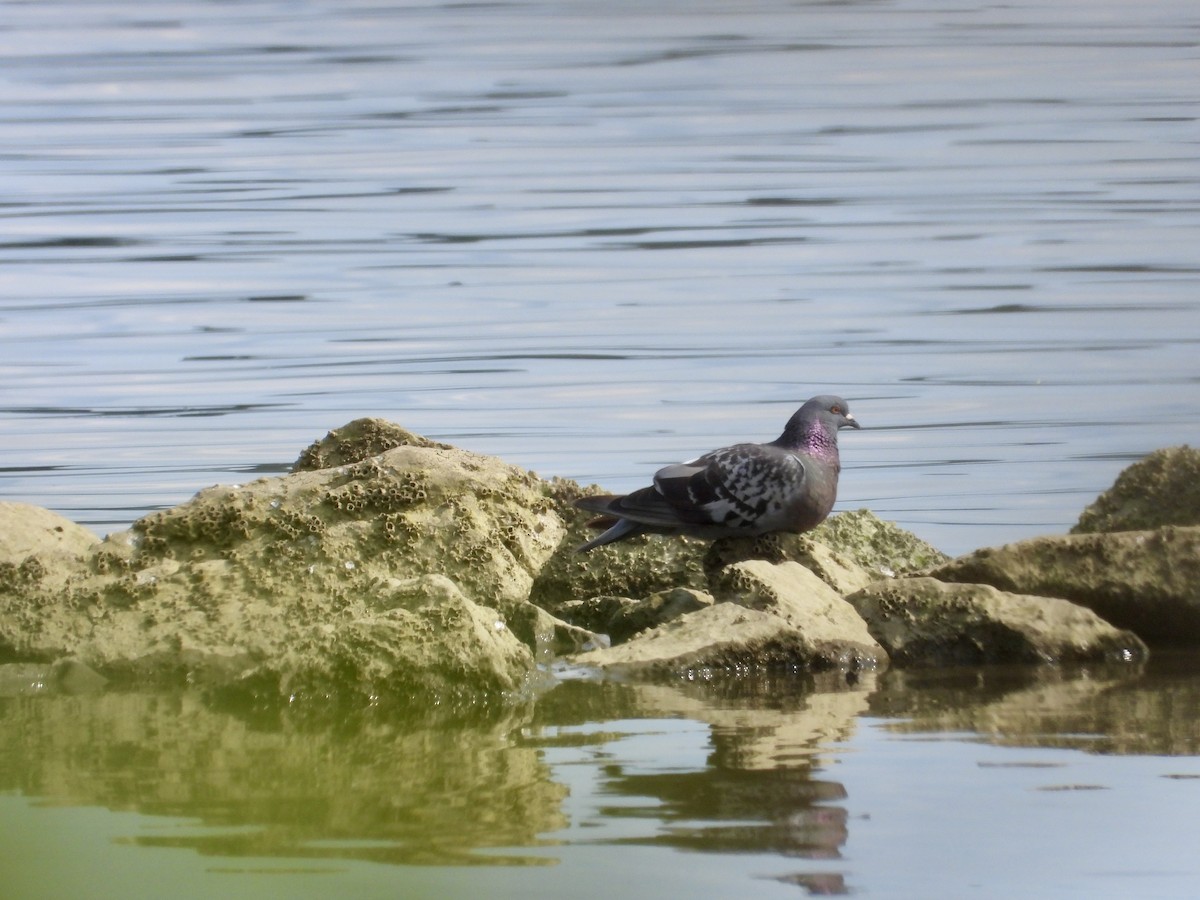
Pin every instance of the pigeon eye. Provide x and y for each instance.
(835, 409)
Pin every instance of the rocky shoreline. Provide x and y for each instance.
(390, 569)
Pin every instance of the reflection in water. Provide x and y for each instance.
(759, 788)
(1147, 709)
(729, 810)
(382, 792)
(741, 766)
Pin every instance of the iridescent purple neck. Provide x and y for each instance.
(812, 437)
(819, 442)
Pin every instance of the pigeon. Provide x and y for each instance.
(789, 484)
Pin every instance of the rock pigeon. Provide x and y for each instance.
(788, 484)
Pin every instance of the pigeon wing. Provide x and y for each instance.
(735, 487)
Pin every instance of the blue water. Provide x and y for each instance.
(595, 238)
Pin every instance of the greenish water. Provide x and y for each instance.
(989, 783)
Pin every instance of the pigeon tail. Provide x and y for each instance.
(623, 528)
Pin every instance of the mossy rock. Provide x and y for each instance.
(636, 567)
(1145, 581)
(359, 440)
(241, 578)
(925, 622)
(877, 545)
(1161, 489)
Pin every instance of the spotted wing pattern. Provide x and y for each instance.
(737, 487)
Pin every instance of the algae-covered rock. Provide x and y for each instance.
(1162, 489)
(637, 567)
(655, 610)
(391, 566)
(1145, 581)
(39, 549)
(280, 578)
(723, 638)
(883, 548)
(838, 635)
(484, 524)
(836, 569)
(421, 641)
(359, 440)
(925, 622)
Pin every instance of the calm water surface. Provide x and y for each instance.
(989, 783)
(595, 238)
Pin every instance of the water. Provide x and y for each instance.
(989, 783)
(596, 238)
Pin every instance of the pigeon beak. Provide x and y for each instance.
(851, 421)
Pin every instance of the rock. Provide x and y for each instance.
(1145, 581)
(636, 567)
(359, 440)
(1162, 489)
(27, 529)
(925, 622)
(724, 638)
(550, 636)
(619, 618)
(837, 570)
(239, 583)
(839, 636)
(657, 609)
(882, 548)
(594, 613)
(39, 547)
(423, 642)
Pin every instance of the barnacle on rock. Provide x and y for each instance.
(357, 441)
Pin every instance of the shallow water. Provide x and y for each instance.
(596, 238)
(992, 782)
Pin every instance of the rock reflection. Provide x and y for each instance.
(1119, 709)
(761, 789)
(734, 766)
(386, 792)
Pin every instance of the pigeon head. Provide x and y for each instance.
(814, 426)
(830, 410)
